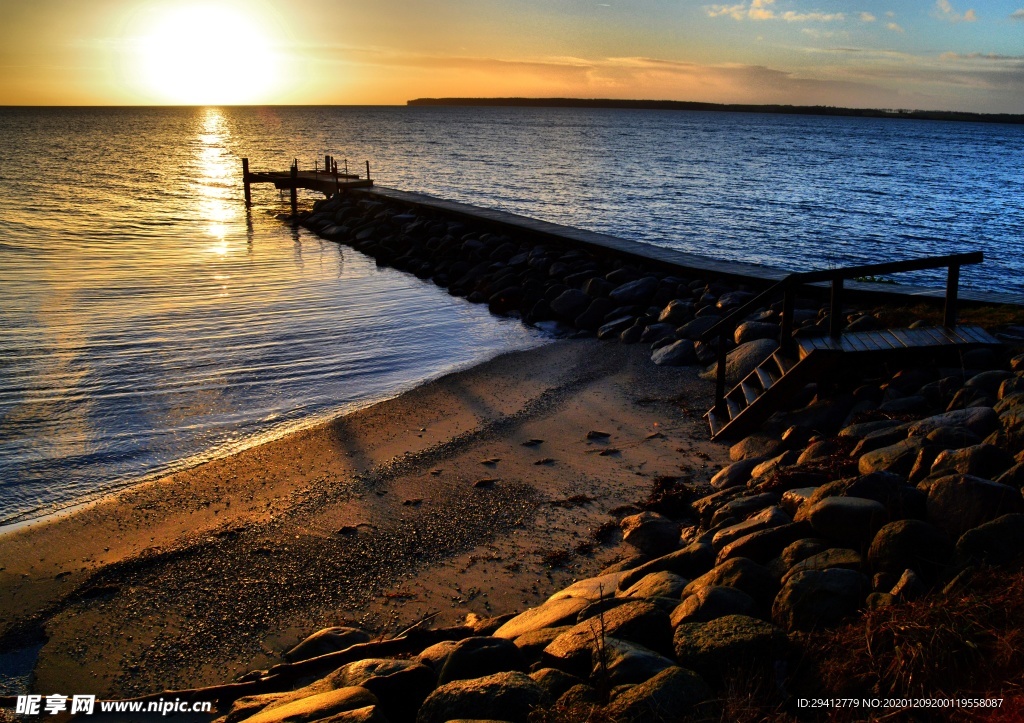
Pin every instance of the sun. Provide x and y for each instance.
(206, 54)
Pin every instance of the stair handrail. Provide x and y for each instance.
(952, 262)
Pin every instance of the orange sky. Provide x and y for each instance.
(946, 54)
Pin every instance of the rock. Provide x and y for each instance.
(742, 507)
(763, 545)
(615, 327)
(981, 460)
(821, 449)
(879, 438)
(754, 330)
(980, 420)
(794, 499)
(640, 291)
(693, 330)
(502, 696)
(678, 312)
(847, 520)
(908, 587)
(671, 695)
(896, 458)
(640, 622)
(592, 589)
(715, 647)
(958, 503)
(692, 561)
(816, 599)
(369, 714)
(865, 428)
(316, 707)
(676, 354)
(756, 446)
(554, 682)
(1008, 402)
(743, 574)
(769, 466)
(889, 490)
(735, 474)
(570, 304)
(988, 382)
(998, 542)
(328, 640)
(795, 553)
(656, 584)
(1014, 477)
(479, 656)
(400, 685)
(434, 656)
(712, 602)
(626, 663)
(1011, 386)
(911, 544)
(651, 533)
(768, 517)
(532, 644)
(655, 332)
(549, 615)
(912, 405)
(741, 361)
(836, 557)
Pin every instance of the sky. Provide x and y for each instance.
(911, 54)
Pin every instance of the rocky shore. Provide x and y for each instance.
(881, 497)
(886, 489)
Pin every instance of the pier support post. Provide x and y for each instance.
(367, 170)
(295, 193)
(245, 182)
(952, 292)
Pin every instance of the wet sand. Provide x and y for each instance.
(426, 503)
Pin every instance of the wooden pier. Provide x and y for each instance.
(328, 181)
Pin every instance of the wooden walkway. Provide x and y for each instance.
(754, 274)
(325, 183)
(887, 340)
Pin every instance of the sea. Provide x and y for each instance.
(149, 322)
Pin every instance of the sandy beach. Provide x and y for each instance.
(483, 491)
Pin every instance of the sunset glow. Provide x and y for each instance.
(926, 54)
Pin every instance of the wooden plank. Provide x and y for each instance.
(853, 342)
(977, 334)
(896, 342)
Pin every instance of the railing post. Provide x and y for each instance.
(295, 192)
(788, 307)
(835, 322)
(367, 170)
(720, 376)
(245, 182)
(952, 292)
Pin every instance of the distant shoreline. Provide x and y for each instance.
(940, 115)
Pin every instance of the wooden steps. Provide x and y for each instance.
(766, 389)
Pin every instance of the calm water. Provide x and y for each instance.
(146, 321)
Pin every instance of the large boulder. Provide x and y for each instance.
(739, 572)
(550, 614)
(754, 330)
(317, 707)
(328, 640)
(712, 602)
(554, 682)
(763, 545)
(896, 458)
(743, 359)
(980, 420)
(639, 622)
(626, 663)
(400, 685)
(502, 696)
(638, 292)
(478, 656)
(678, 312)
(980, 460)
(677, 354)
(998, 542)
(768, 517)
(692, 561)
(736, 474)
(958, 503)
(816, 599)
(847, 520)
(714, 648)
(835, 557)
(570, 304)
(656, 584)
(909, 544)
(651, 533)
(671, 695)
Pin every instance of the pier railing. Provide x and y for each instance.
(787, 289)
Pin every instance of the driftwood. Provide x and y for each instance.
(281, 678)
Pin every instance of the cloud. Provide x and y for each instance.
(895, 27)
(867, 18)
(760, 10)
(1017, 14)
(944, 10)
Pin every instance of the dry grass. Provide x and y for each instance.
(990, 317)
(969, 642)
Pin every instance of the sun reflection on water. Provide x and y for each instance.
(216, 180)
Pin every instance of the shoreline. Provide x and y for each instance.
(245, 552)
(30, 519)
